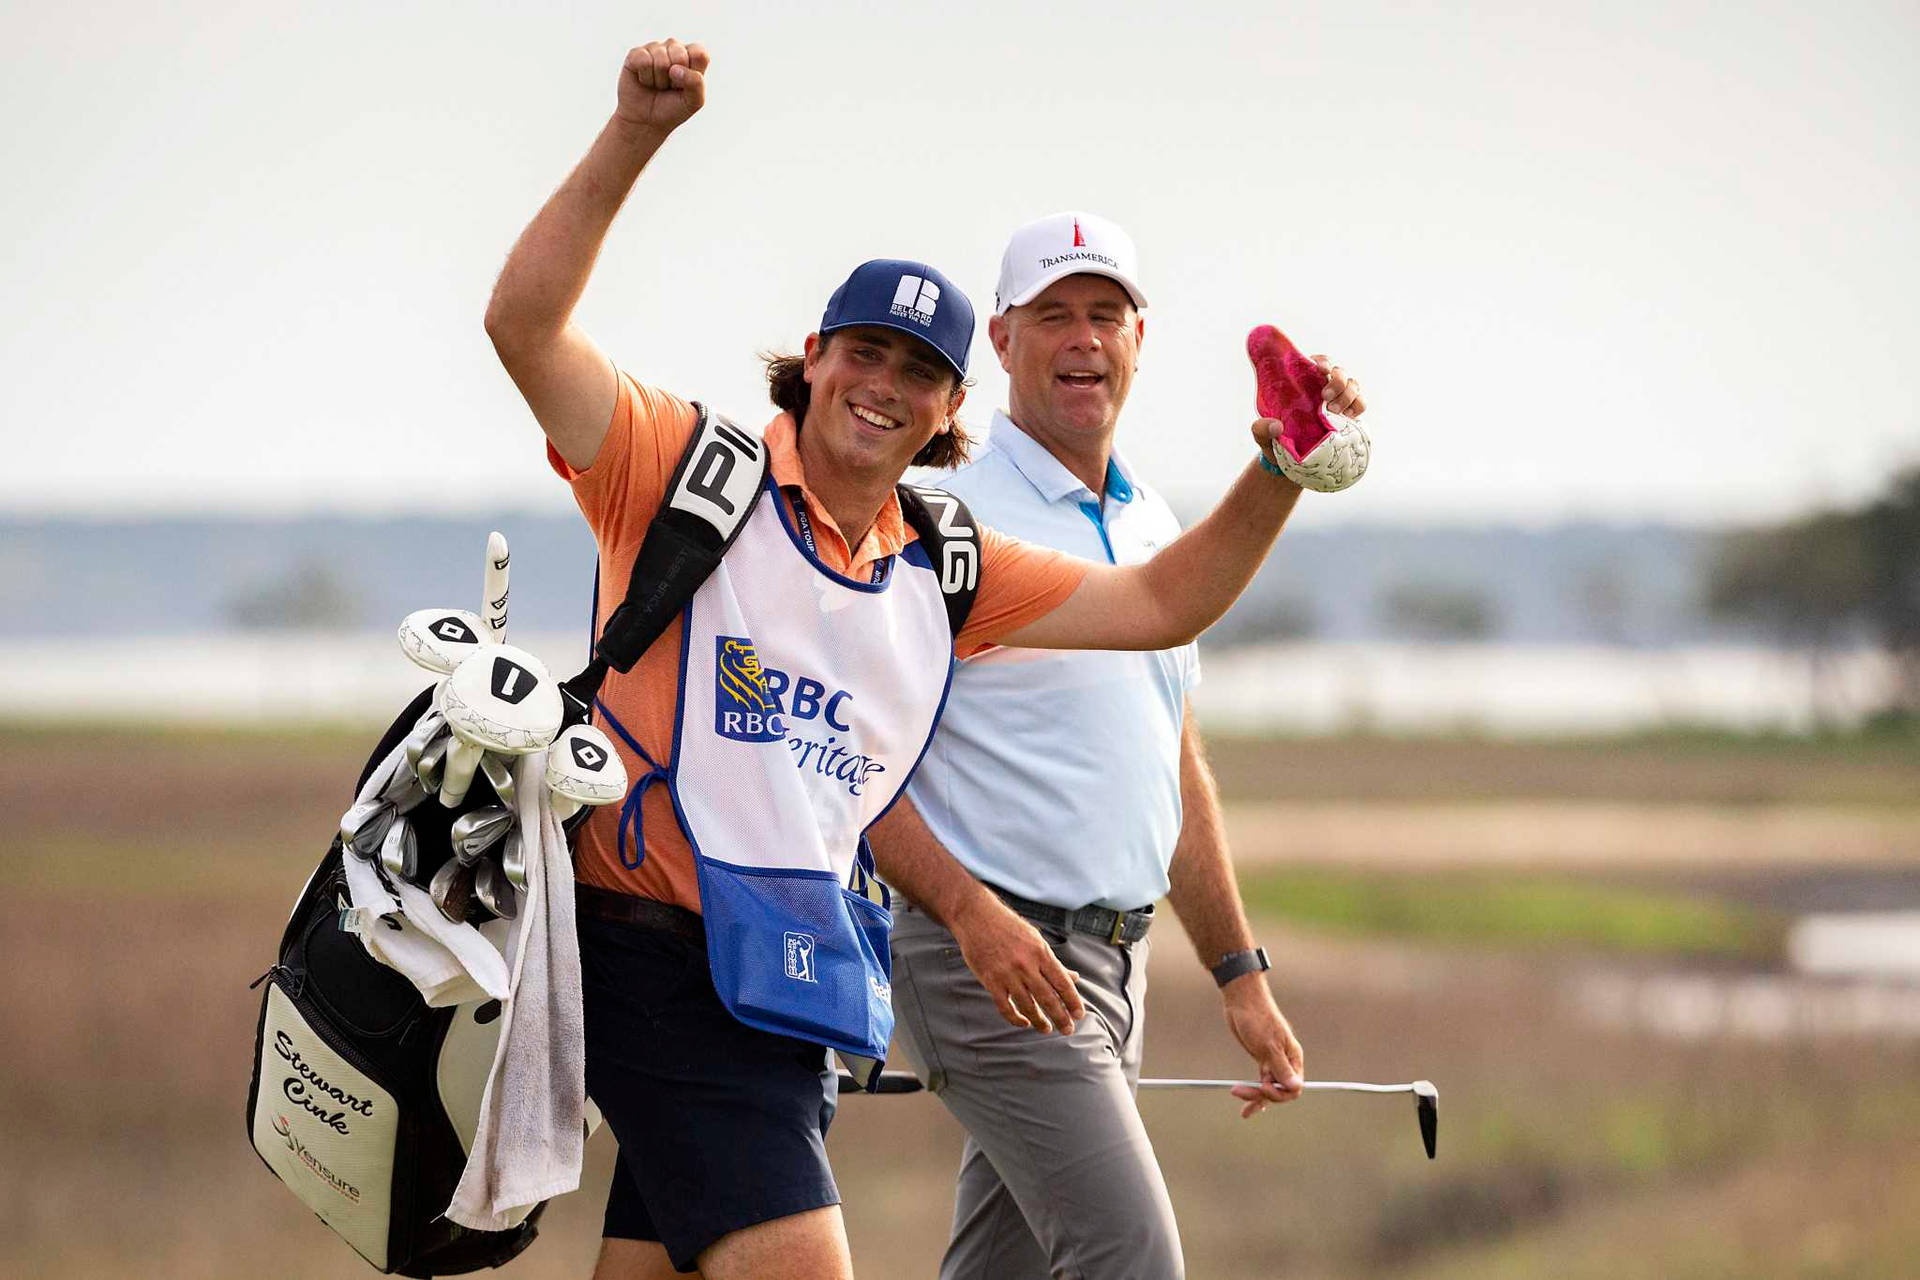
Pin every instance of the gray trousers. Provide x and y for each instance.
(1058, 1178)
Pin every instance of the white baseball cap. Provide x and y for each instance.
(1061, 245)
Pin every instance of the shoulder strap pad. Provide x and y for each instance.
(952, 540)
(721, 475)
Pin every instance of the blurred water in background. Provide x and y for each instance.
(1305, 687)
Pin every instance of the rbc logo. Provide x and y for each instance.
(800, 957)
(743, 709)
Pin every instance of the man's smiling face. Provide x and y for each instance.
(876, 397)
(1070, 355)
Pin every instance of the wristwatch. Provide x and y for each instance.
(1235, 963)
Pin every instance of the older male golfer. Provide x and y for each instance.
(1063, 794)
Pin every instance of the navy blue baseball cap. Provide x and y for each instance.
(910, 297)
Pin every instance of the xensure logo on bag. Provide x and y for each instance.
(742, 708)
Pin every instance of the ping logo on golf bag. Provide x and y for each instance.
(800, 957)
(586, 755)
(960, 552)
(455, 631)
(743, 709)
(512, 682)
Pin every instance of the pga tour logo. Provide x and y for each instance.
(800, 957)
(915, 299)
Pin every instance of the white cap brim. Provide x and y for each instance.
(1061, 272)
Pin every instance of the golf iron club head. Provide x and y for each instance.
(452, 890)
(513, 859)
(400, 852)
(426, 730)
(499, 774)
(364, 826)
(432, 762)
(478, 831)
(490, 886)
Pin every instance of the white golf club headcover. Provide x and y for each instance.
(439, 639)
(582, 768)
(1337, 462)
(493, 599)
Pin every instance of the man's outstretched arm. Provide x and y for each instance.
(1204, 894)
(567, 381)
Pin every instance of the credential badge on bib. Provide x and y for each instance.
(743, 709)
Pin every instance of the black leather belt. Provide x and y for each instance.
(1116, 927)
(645, 913)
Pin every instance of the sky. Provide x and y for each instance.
(1616, 261)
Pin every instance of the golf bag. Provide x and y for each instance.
(364, 1100)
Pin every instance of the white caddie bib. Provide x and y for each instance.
(806, 699)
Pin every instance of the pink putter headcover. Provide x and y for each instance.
(1289, 390)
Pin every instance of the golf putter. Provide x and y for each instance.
(1426, 1098)
(1313, 450)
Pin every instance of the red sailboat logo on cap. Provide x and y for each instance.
(1079, 241)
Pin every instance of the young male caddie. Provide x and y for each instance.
(723, 947)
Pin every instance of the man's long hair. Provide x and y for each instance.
(787, 386)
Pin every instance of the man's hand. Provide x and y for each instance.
(1262, 1030)
(1341, 395)
(1011, 959)
(662, 84)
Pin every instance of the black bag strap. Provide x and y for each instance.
(952, 540)
(720, 476)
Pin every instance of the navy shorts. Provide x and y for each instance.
(720, 1125)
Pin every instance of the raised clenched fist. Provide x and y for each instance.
(662, 84)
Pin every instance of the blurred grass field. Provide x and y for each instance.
(1430, 905)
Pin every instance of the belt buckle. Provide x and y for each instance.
(1119, 927)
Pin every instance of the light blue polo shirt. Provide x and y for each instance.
(1056, 773)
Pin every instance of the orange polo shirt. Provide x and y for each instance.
(619, 494)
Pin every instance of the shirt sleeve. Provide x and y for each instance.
(621, 489)
(1019, 581)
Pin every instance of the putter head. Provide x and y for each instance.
(439, 639)
(1426, 1100)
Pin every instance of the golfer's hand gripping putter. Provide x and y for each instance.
(1313, 450)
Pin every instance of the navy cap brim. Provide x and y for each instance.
(919, 335)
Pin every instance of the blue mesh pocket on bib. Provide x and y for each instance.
(793, 953)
